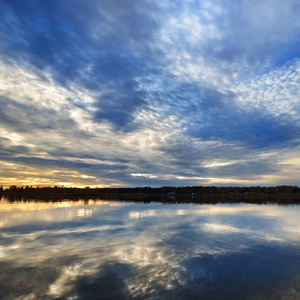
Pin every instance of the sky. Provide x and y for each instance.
(149, 93)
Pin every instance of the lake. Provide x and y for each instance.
(126, 250)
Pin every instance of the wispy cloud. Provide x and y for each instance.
(176, 90)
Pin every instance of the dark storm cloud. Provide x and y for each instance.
(26, 118)
(247, 170)
(109, 38)
(8, 151)
(191, 160)
(118, 106)
(253, 128)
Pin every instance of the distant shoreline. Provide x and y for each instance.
(196, 194)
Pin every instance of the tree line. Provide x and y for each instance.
(165, 190)
(282, 194)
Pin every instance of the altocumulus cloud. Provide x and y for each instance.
(115, 93)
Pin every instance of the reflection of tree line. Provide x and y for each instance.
(194, 194)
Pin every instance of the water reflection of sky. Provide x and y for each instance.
(118, 250)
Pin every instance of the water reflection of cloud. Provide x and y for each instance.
(21, 213)
(6, 205)
(84, 213)
(149, 250)
(253, 234)
(142, 214)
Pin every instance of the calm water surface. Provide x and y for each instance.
(121, 250)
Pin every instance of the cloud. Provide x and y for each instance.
(115, 89)
(99, 52)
